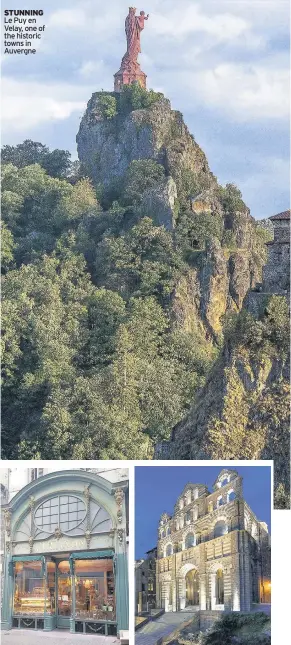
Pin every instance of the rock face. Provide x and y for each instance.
(218, 285)
(107, 147)
(159, 202)
(243, 410)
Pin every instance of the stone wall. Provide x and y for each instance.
(282, 231)
(276, 273)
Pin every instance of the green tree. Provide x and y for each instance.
(141, 262)
(57, 163)
(107, 106)
(231, 198)
(135, 97)
(7, 247)
(141, 175)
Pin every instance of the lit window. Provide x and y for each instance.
(190, 540)
(169, 550)
(219, 587)
(220, 528)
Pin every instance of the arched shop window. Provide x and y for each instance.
(219, 587)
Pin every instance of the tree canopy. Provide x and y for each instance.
(94, 362)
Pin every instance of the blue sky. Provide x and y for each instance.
(224, 64)
(158, 487)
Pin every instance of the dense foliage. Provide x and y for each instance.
(57, 163)
(92, 364)
(240, 628)
(95, 364)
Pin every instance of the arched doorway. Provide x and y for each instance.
(192, 588)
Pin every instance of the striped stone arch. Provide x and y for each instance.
(212, 574)
(188, 566)
(219, 518)
(215, 566)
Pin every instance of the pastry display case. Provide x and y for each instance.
(32, 594)
(94, 584)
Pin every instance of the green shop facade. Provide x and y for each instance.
(65, 559)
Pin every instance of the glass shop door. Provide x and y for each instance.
(64, 602)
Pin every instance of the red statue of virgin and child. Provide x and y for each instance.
(130, 71)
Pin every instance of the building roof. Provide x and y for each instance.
(283, 215)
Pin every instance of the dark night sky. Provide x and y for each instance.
(158, 487)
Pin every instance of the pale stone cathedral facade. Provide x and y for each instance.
(213, 553)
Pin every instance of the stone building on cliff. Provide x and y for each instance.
(276, 273)
(213, 553)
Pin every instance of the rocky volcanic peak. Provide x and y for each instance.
(106, 147)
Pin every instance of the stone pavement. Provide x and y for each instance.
(163, 626)
(56, 637)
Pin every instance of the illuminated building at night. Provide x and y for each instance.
(213, 553)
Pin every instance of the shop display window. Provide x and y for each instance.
(95, 593)
(30, 589)
(64, 589)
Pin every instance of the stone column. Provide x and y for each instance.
(245, 574)
(202, 591)
(212, 580)
(235, 583)
(228, 588)
(158, 590)
(174, 583)
(181, 593)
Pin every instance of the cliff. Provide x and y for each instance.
(242, 412)
(223, 252)
(143, 160)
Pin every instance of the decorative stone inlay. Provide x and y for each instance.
(7, 519)
(87, 493)
(88, 537)
(31, 502)
(120, 534)
(58, 533)
(30, 542)
(119, 497)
